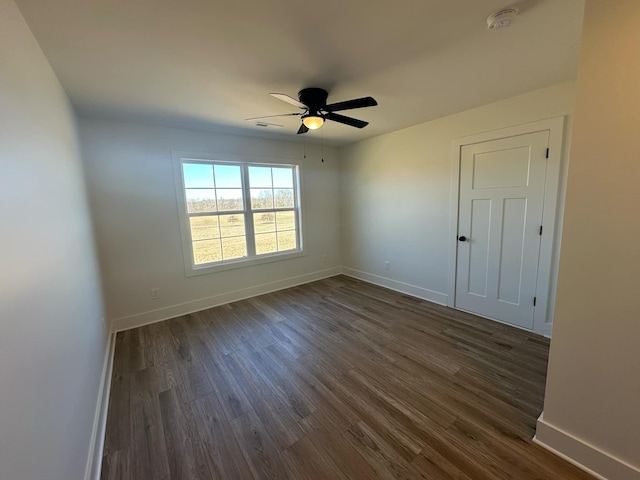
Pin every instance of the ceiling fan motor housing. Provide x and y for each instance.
(314, 98)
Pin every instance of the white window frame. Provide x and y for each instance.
(191, 269)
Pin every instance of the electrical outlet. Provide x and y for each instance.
(387, 265)
(155, 293)
(324, 258)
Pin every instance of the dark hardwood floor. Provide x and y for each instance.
(336, 379)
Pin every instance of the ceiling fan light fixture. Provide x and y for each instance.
(312, 121)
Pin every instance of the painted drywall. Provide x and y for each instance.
(396, 192)
(133, 200)
(593, 386)
(52, 340)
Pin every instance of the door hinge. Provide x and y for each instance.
(540, 229)
(547, 153)
(534, 301)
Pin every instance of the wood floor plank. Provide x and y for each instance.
(226, 386)
(223, 452)
(148, 452)
(122, 352)
(307, 463)
(272, 411)
(438, 467)
(375, 412)
(193, 377)
(341, 415)
(163, 357)
(380, 455)
(279, 381)
(222, 382)
(186, 456)
(115, 466)
(335, 379)
(327, 437)
(118, 435)
(259, 451)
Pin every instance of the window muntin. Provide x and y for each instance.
(240, 211)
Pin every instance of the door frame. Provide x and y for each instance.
(549, 245)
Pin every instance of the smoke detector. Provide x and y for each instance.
(502, 18)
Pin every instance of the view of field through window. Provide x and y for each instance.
(218, 209)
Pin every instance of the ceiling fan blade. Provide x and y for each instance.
(354, 122)
(303, 129)
(270, 116)
(350, 104)
(288, 99)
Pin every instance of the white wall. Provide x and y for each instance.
(52, 341)
(133, 201)
(395, 192)
(592, 404)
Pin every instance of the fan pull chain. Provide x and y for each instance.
(322, 144)
(304, 147)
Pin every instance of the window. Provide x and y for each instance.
(236, 212)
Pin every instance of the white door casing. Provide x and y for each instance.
(481, 146)
(500, 214)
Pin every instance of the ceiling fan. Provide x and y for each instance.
(313, 103)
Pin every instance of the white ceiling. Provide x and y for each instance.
(209, 64)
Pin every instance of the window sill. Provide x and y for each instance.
(243, 262)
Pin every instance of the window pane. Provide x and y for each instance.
(266, 243)
(206, 251)
(232, 225)
(264, 222)
(234, 247)
(228, 176)
(203, 228)
(200, 200)
(283, 177)
(286, 240)
(286, 220)
(229, 199)
(261, 198)
(260, 177)
(197, 175)
(284, 198)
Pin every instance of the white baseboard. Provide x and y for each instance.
(589, 458)
(413, 290)
(94, 461)
(153, 316)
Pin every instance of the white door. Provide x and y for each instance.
(499, 226)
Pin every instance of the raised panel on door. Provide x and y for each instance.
(479, 251)
(510, 268)
(500, 212)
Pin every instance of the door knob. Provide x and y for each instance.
(462, 238)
